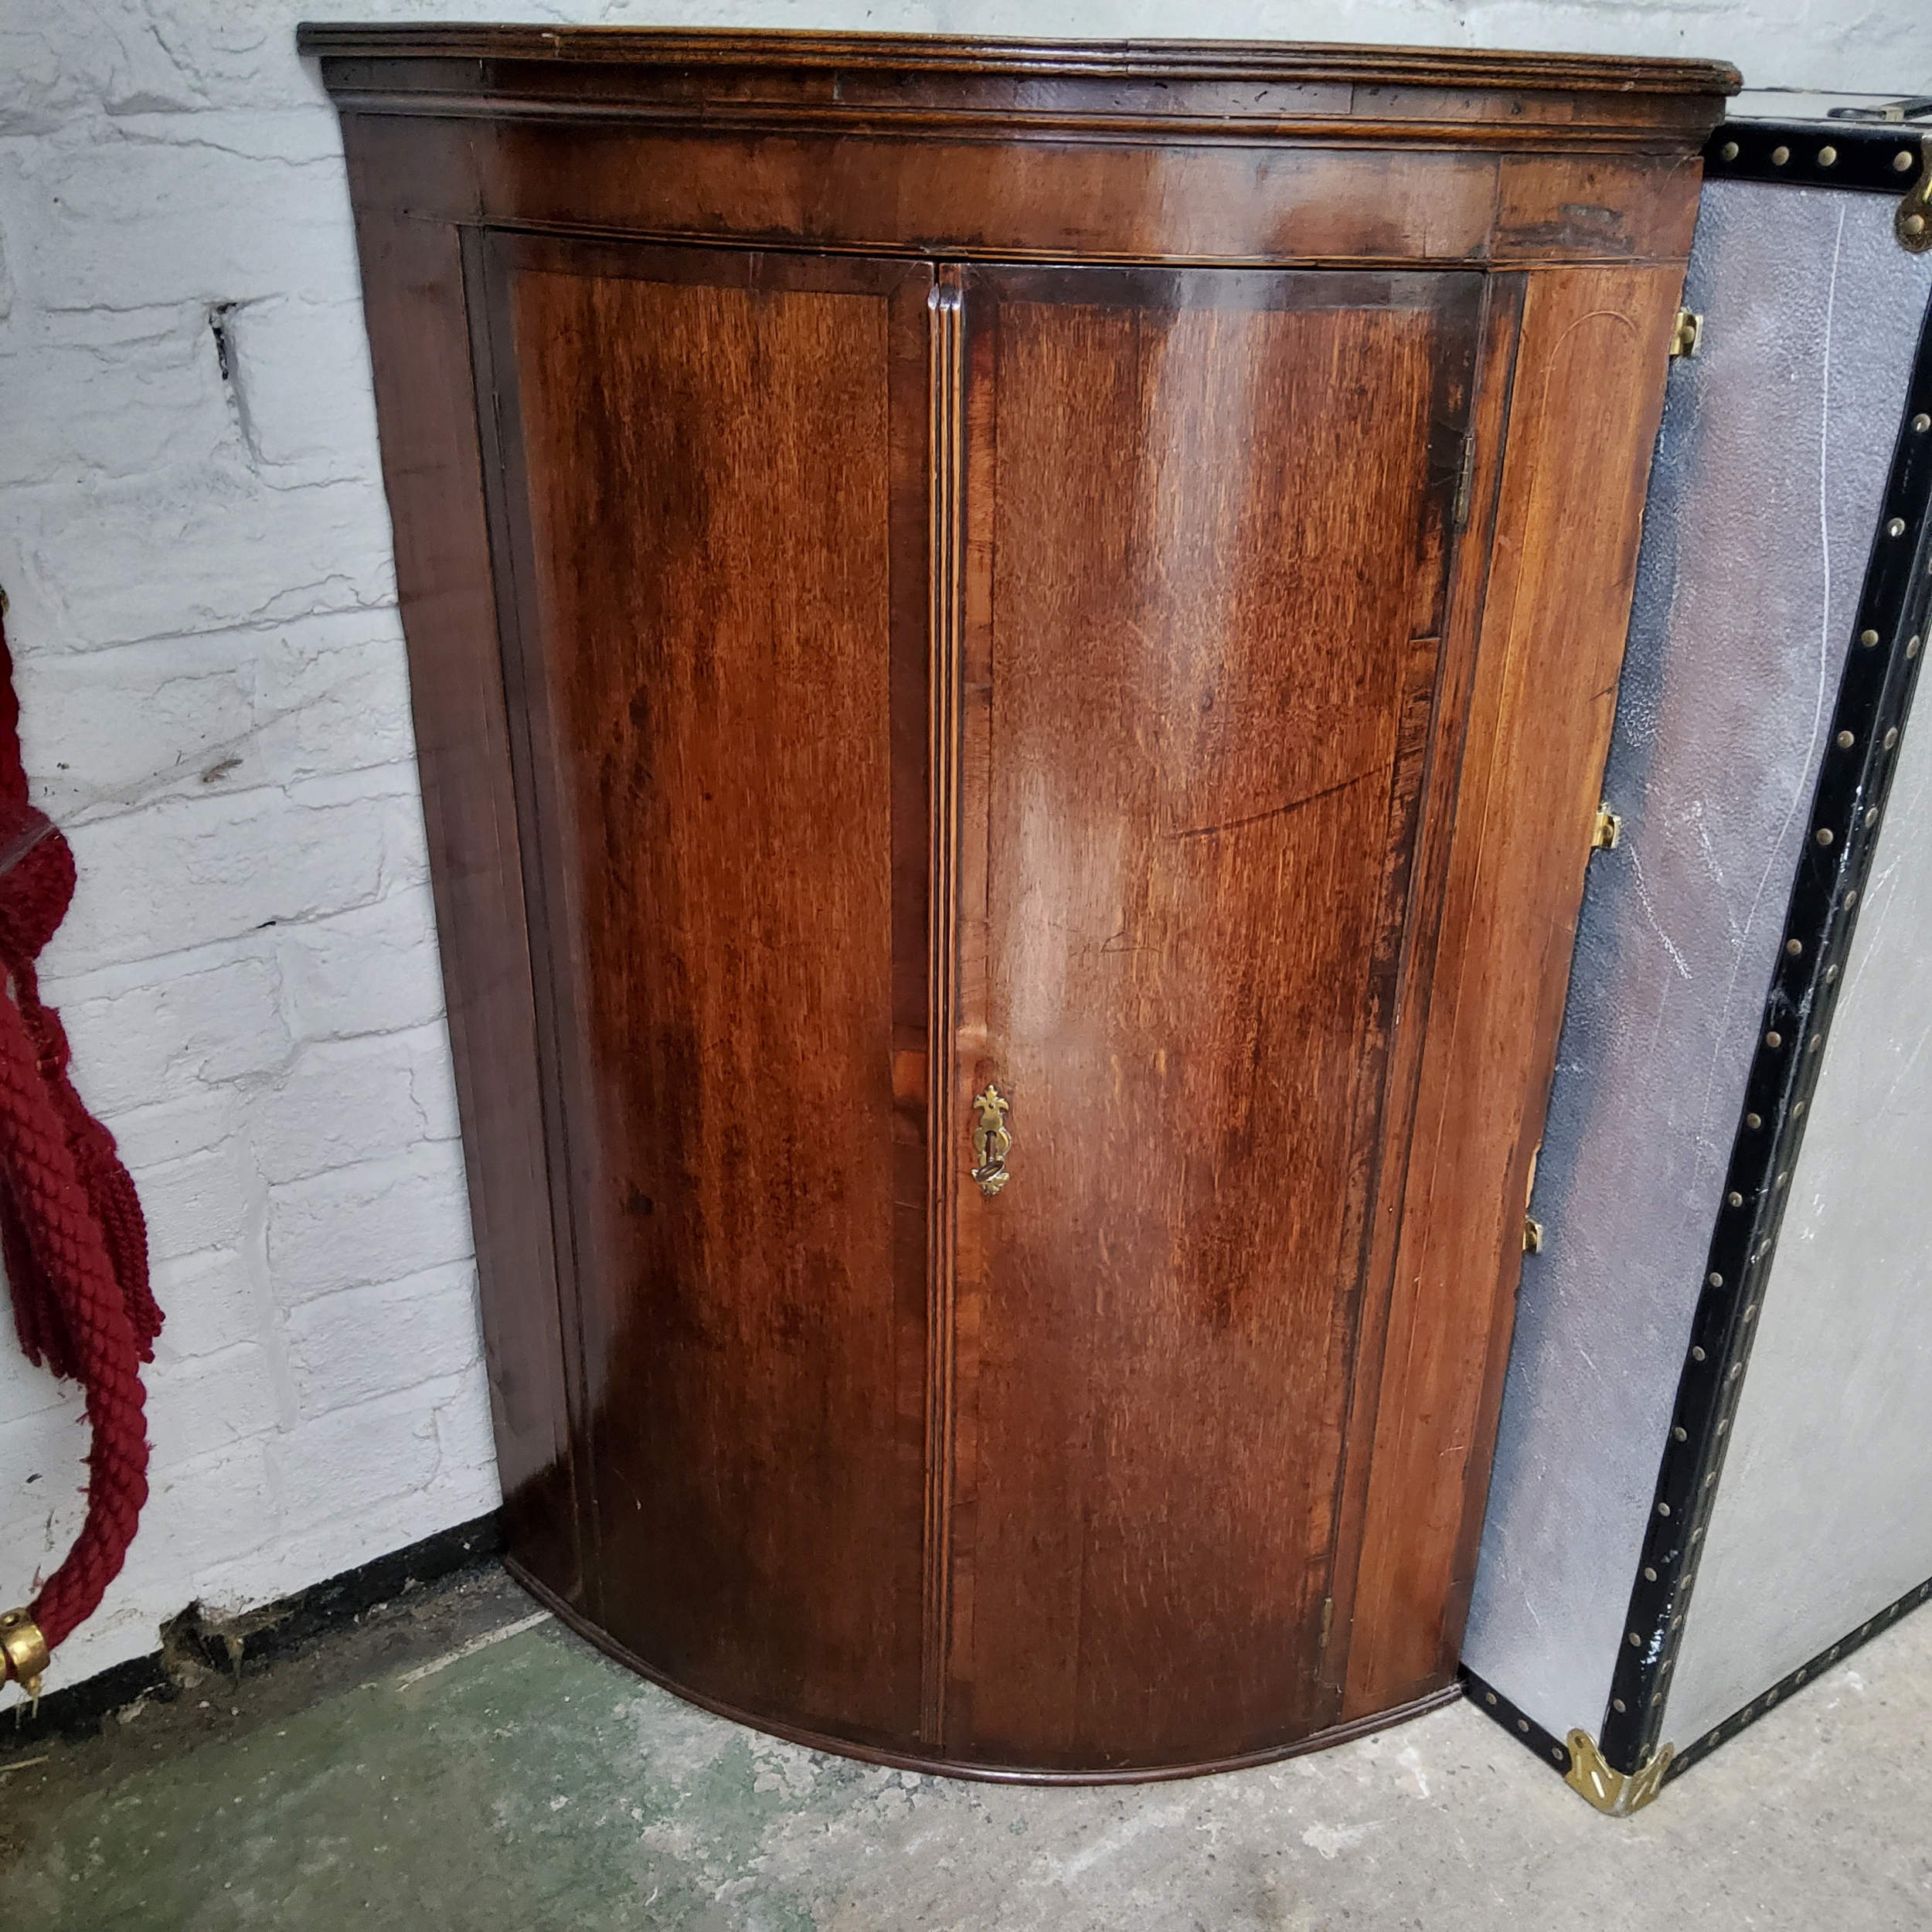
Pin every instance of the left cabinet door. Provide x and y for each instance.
(711, 473)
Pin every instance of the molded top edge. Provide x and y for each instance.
(1100, 59)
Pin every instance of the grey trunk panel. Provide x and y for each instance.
(1824, 1511)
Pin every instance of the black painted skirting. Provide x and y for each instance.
(273, 1631)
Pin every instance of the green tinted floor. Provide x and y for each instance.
(429, 1769)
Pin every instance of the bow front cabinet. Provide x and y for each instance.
(1012, 647)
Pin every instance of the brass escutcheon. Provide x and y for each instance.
(991, 1143)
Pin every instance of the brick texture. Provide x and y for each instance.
(199, 562)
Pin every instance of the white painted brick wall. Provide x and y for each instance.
(216, 710)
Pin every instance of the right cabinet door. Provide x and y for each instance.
(1209, 518)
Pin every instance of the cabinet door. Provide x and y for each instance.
(1209, 515)
(714, 498)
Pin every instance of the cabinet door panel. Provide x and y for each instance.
(1210, 512)
(716, 471)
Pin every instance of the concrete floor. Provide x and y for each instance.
(457, 1763)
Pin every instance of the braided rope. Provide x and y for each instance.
(65, 1236)
(72, 1238)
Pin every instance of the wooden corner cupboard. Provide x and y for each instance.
(1013, 646)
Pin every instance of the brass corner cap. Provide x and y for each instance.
(1615, 1793)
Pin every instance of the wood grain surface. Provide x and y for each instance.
(1448, 201)
(706, 451)
(418, 312)
(1216, 570)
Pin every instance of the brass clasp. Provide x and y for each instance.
(991, 1143)
(1912, 222)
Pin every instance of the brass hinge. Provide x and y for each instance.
(1533, 1235)
(1605, 830)
(1686, 332)
(1616, 1792)
(1327, 1620)
(1465, 477)
(1913, 223)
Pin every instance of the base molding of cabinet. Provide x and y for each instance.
(950, 1767)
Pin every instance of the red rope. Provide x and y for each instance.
(72, 1235)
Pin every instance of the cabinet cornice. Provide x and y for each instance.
(902, 85)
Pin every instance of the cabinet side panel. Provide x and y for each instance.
(1587, 392)
(1450, 707)
(707, 452)
(418, 330)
